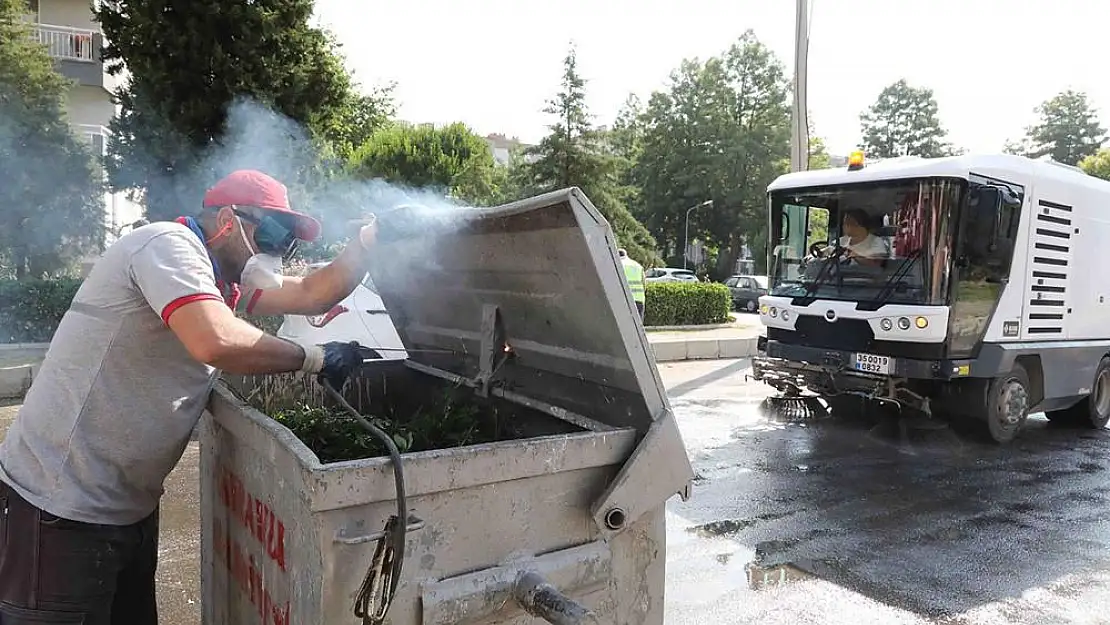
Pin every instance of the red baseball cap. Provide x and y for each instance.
(249, 187)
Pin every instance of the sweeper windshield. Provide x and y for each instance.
(873, 243)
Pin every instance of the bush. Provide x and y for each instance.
(686, 303)
(30, 310)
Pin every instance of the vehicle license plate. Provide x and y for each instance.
(871, 363)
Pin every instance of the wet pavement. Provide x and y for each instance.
(832, 521)
(866, 526)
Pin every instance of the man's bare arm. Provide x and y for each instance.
(318, 292)
(215, 336)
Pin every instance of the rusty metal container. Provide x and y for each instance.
(531, 300)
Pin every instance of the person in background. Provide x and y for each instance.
(634, 275)
(129, 372)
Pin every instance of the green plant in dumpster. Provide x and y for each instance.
(297, 402)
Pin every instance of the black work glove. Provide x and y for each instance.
(340, 361)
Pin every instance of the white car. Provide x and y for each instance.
(670, 274)
(360, 317)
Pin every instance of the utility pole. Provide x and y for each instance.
(799, 139)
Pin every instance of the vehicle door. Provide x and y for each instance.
(375, 319)
(733, 285)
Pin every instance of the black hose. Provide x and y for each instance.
(395, 530)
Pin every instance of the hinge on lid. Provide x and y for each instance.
(495, 348)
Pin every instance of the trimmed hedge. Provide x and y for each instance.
(686, 303)
(30, 310)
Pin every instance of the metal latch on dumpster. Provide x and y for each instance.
(537, 585)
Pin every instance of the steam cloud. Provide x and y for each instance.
(258, 138)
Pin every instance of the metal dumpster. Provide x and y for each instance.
(531, 301)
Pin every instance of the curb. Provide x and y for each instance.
(703, 349)
(5, 347)
(15, 381)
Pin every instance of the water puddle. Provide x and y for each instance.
(760, 576)
(728, 527)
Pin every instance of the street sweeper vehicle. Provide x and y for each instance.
(950, 287)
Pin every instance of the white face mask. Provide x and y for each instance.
(262, 271)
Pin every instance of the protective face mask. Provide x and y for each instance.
(262, 271)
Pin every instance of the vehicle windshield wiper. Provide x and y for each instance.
(811, 288)
(891, 285)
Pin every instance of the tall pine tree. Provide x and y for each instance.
(903, 121)
(51, 185)
(573, 154)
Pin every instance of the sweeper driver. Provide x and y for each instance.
(125, 381)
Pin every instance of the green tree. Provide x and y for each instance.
(452, 160)
(189, 64)
(51, 189)
(362, 116)
(903, 121)
(721, 132)
(625, 142)
(1068, 130)
(818, 151)
(574, 154)
(1097, 164)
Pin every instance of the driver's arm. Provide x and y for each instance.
(318, 292)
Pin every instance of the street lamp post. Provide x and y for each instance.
(686, 243)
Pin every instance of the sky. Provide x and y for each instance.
(493, 64)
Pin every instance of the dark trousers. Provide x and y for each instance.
(53, 570)
(640, 308)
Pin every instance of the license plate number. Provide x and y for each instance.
(870, 363)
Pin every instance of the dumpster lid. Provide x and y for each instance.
(531, 301)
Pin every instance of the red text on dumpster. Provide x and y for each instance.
(242, 568)
(254, 515)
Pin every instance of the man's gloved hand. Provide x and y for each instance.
(334, 362)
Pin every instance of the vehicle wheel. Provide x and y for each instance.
(1008, 405)
(750, 305)
(1094, 410)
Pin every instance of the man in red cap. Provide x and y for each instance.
(125, 381)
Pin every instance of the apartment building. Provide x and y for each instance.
(73, 39)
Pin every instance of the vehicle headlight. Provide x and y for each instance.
(904, 323)
(774, 312)
(764, 309)
(921, 322)
(887, 325)
(786, 315)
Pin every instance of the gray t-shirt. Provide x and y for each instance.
(118, 395)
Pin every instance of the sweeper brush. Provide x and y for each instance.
(790, 408)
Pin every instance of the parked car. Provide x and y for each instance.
(360, 317)
(746, 291)
(670, 274)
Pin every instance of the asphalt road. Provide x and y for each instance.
(869, 527)
(864, 527)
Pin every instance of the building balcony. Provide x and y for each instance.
(77, 54)
(97, 136)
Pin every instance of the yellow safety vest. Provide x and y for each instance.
(634, 275)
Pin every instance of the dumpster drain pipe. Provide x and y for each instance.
(541, 599)
(375, 596)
